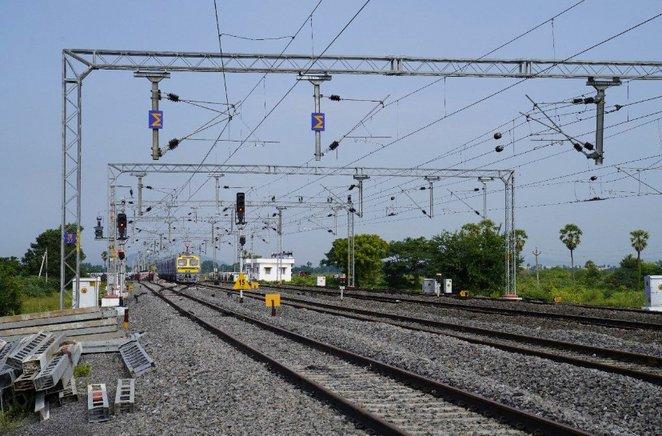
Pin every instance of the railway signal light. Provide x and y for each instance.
(241, 208)
(98, 229)
(121, 225)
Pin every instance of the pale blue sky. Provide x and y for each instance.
(32, 35)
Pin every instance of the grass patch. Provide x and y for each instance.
(12, 418)
(44, 303)
(82, 369)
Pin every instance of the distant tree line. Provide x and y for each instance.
(473, 257)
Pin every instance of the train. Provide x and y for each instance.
(183, 268)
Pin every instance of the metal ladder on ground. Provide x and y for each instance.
(125, 395)
(135, 358)
(97, 403)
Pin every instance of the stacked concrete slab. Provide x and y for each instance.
(66, 322)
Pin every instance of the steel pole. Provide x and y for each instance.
(318, 134)
(599, 125)
(140, 196)
(63, 211)
(79, 183)
(155, 132)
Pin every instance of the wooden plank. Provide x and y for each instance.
(95, 313)
(58, 327)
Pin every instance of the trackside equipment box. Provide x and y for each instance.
(653, 286)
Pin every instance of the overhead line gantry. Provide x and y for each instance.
(77, 64)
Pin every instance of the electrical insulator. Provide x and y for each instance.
(121, 225)
(578, 147)
(242, 240)
(334, 145)
(120, 253)
(588, 146)
(497, 135)
(334, 97)
(173, 143)
(498, 148)
(241, 208)
(173, 97)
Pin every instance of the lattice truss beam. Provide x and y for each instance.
(132, 60)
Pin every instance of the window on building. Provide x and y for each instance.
(283, 269)
(267, 270)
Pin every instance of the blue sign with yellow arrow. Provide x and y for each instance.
(317, 121)
(155, 120)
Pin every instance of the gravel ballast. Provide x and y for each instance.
(589, 399)
(636, 341)
(563, 308)
(200, 385)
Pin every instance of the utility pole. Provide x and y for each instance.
(350, 243)
(217, 189)
(537, 253)
(155, 123)
(360, 179)
(317, 118)
(279, 262)
(484, 181)
(600, 86)
(431, 180)
(44, 262)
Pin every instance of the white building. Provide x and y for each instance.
(267, 268)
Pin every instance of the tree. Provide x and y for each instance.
(49, 240)
(11, 265)
(87, 268)
(473, 257)
(407, 261)
(570, 235)
(639, 241)
(10, 297)
(369, 250)
(207, 266)
(520, 240)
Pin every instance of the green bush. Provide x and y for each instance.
(33, 286)
(10, 295)
(82, 369)
(304, 280)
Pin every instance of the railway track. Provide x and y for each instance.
(640, 366)
(387, 399)
(582, 319)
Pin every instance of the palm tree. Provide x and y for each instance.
(570, 235)
(520, 239)
(639, 241)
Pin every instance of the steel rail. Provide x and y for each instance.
(605, 322)
(489, 408)
(406, 321)
(353, 411)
